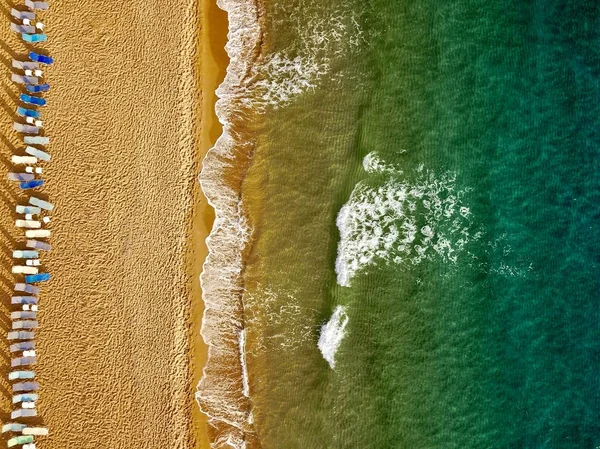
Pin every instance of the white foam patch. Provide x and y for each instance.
(401, 221)
(332, 334)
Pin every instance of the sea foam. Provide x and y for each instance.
(332, 334)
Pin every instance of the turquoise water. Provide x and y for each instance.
(423, 177)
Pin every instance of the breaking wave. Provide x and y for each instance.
(332, 334)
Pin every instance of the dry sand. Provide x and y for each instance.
(119, 352)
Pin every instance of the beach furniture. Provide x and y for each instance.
(34, 38)
(31, 210)
(36, 140)
(23, 300)
(28, 224)
(25, 65)
(23, 29)
(42, 59)
(42, 277)
(37, 233)
(33, 121)
(26, 185)
(24, 112)
(20, 335)
(33, 262)
(37, 153)
(28, 405)
(22, 79)
(22, 346)
(13, 375)
(25, 254)
(21, 439)
(35, 88)
(22, 14)
(24, 397)
(38, 431)
(23, 315)
(13, 427)
(21, 269)
(25, 386)
(41, 203)
(24, 324)
(30, 99)
(26, 129)
(31, 4)
(23, 413)
(37, 72)
(29, 446)
(19, 160)
(23, 361)
(21, 177)
(38, 245)
(37, 170)
(20, 287)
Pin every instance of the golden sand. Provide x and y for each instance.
(118, 345)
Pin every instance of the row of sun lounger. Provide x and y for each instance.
(33, 216)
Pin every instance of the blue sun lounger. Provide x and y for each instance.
(22, 346)
(36, 140)
(23, 300)
(31, 184)
(42, 59)
(35, 88)
(34, 38)
(27, 288)
(30, 99)
(37, 153)
(40, 277)
(21, 177)
(24, 112)
(38, 245)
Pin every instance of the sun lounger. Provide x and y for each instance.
(30, 99)
(21, 287)
(42, 59)
(38, 245)
(42, 277)
(25, 397)
(20, 160)
(25, 254)
(30, 210)
(25, 386)
(22, 346)
(24, 324)
(21, 439)
(34, 38)
(41, 203)
(13, 375)
(37, 153)
(20, 335)
(31, 184)
(23, 413)
(28, 224)
(35, 88)
(38, 431)
(22, 79)
(22, 269)
(23, 315)
(31, 4)
(23, 361)
(21, 177)
(37, 233)
(22, 29)
(36, 140)
(25, 65)
(24, 300)
(22, 14)
(24, 112)
(13, 427)
(26, 129)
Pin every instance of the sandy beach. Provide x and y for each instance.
(119, 346)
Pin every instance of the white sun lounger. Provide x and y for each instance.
(37, 153)
(28, 288)
(38, 245)
(38, 431)
(37, 234)
(24, 397)
(23, 160)
(31, 210)
(36, 140)
(23, 315)
(23, 300)
(22, 346)
(13, 427)
(27, 29)
(31, 4)
(25, 254)
(25, 65)
(22, 79)
(23, 361)
(13, 375)
(22, 14)
(23, 177)
(31, 224)
(26, 129)
(25, 386)
(24, 324)
(21, 335)
(41, 203)
(23, 413)
(22, 269)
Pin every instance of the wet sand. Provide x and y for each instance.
(118, 345)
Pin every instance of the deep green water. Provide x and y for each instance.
(480, 331)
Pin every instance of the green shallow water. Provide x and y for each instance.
(489, 338)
